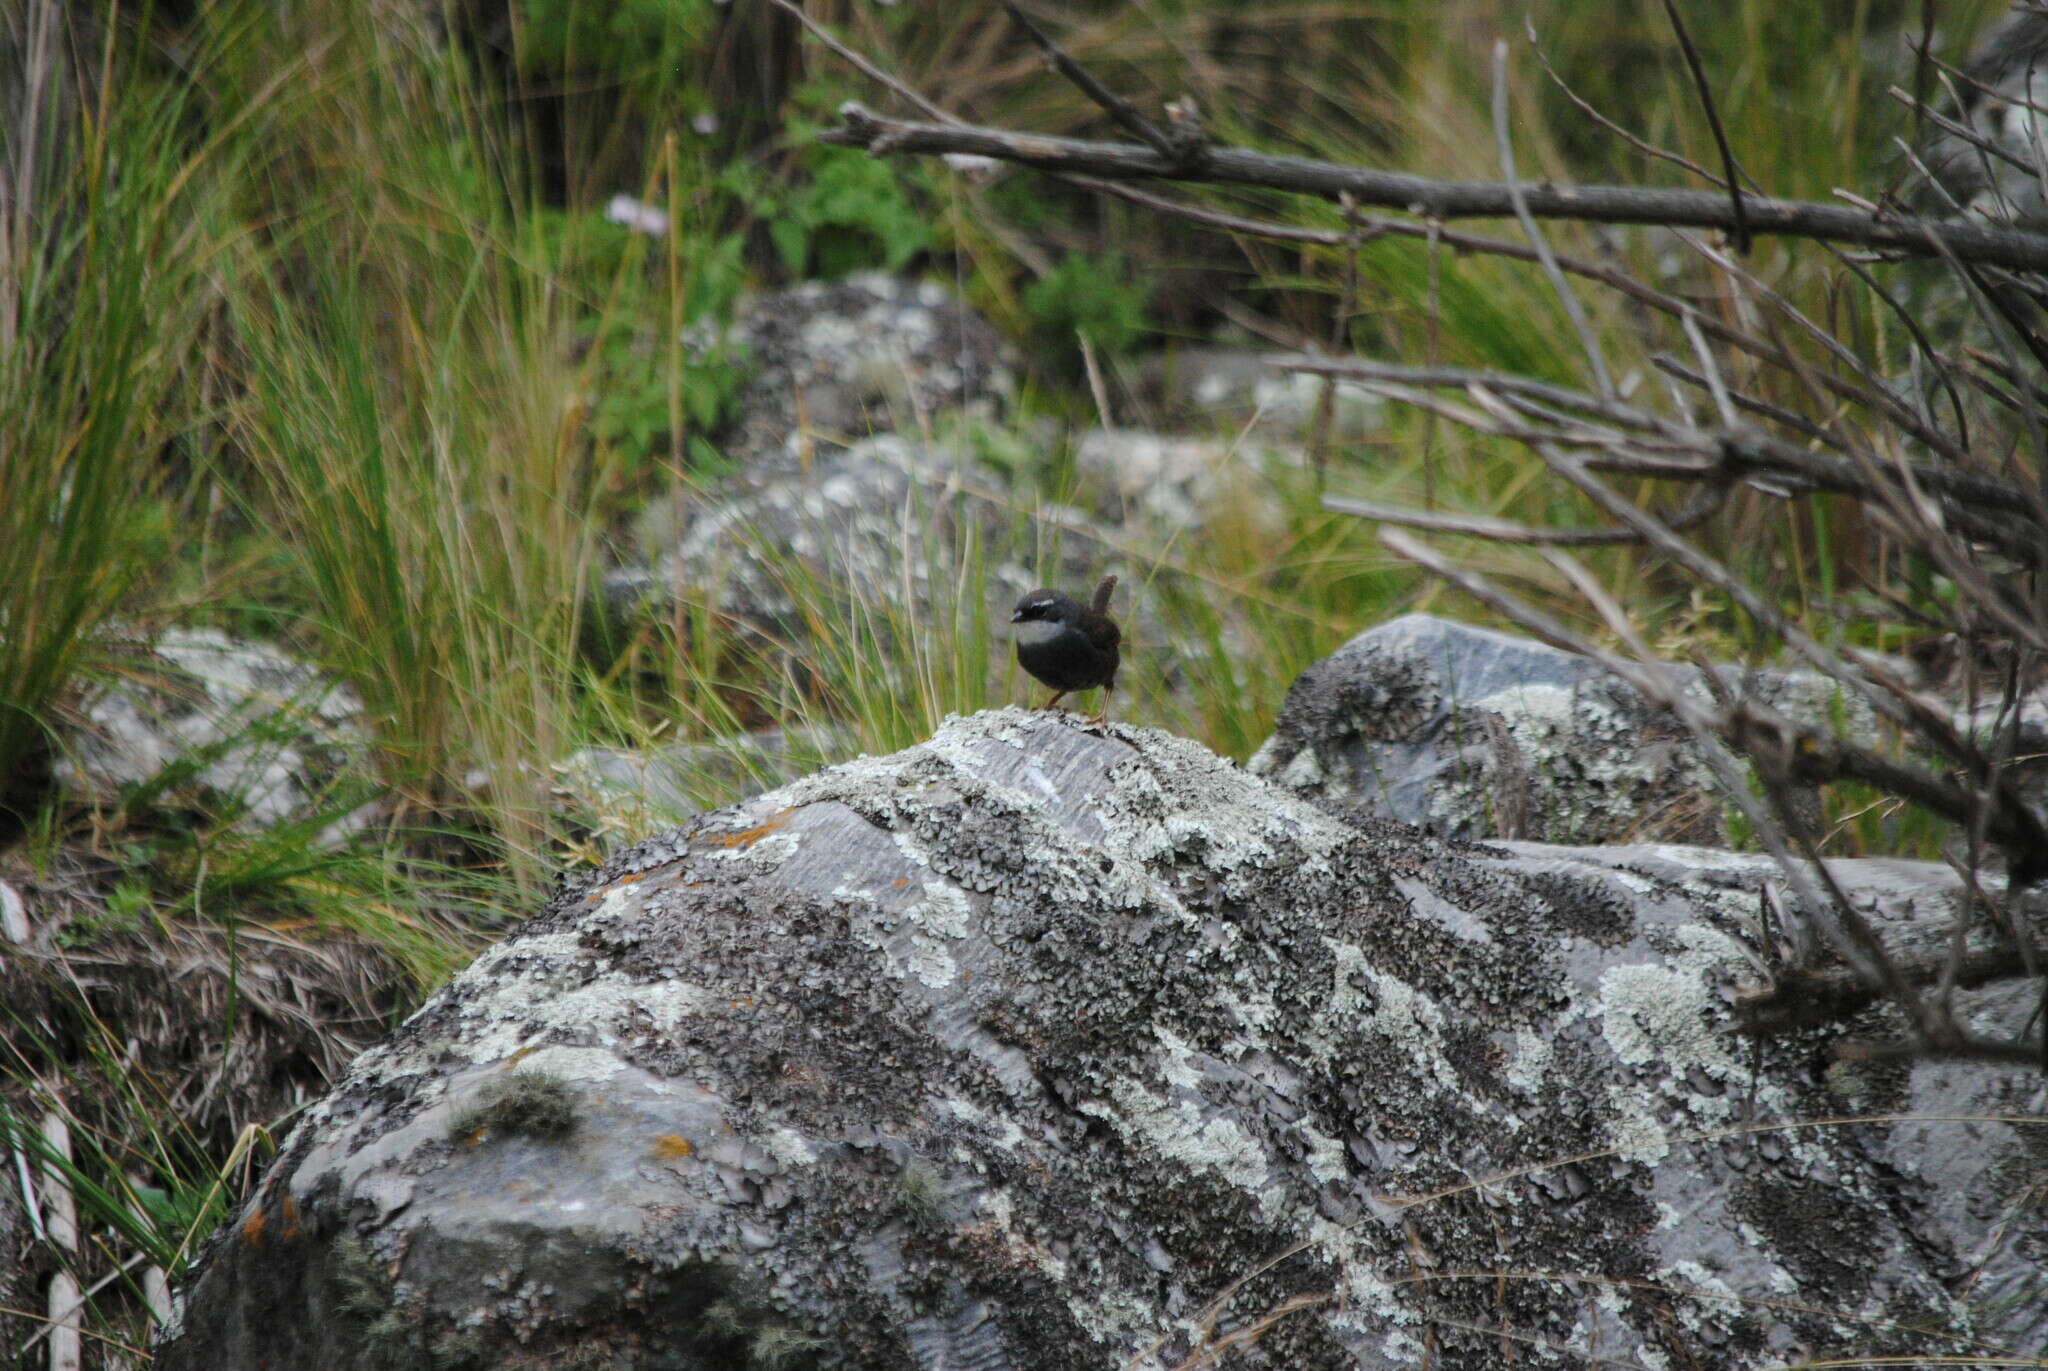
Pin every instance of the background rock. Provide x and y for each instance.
(231, 725)
(1239, 386)
(888, 530)
(1021, 1047)
(1174, 481)
(2006, 78)
(1477, 734)
(628, 790)
(835, 362)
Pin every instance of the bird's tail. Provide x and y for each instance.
(1100, 604)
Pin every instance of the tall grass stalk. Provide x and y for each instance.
(409, 412)
(111, 219)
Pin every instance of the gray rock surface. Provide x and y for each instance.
(234, 726)
(1045, 1046)
(834, 362)
(1477, 734)
(1238, 387)
(882, 528)
(631, 791)
(1175, 481)
(2005, 82)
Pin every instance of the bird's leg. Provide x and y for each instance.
(1057, 696)
(1101, 716)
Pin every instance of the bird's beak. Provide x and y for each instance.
(1017, 617)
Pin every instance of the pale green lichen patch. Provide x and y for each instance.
(1633, 1131)
(1657, 1014)
(1180, 1134)
(1530, 1062)
(547, 985)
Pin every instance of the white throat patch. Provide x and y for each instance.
(1033, 632)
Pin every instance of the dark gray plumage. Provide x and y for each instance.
(1068, 645)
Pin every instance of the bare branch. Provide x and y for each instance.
(1983, 503)
(2020, 249)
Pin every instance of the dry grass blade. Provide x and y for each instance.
(60, 1218)
(1519, 199)
(1478, 526)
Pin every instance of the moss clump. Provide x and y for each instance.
(538, 1104)
(462, 1351)
(724, 1320)
(924, 1196)
(388, 1337)
(729, 1333)
(778, 1347)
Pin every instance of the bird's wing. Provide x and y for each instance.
(1103, 632)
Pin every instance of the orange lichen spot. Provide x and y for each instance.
(744, 1002)
(747, 837)
(290, 1209)
(521, 1055)
(252, 1227)
(902, 881)
(670, 1147)
(630, 878)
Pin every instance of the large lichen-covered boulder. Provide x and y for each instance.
(1047, 1046)
(1479, 734)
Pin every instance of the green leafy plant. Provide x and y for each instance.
(851, 213)
(1097, 298)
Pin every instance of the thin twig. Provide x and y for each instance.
(1922, 65)
(1118, 108)
(1960, 131)
(1733, 179)
(1478, 525)
(1640, 144)
(866, 68)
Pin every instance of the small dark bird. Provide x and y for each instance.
(1068, 645)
